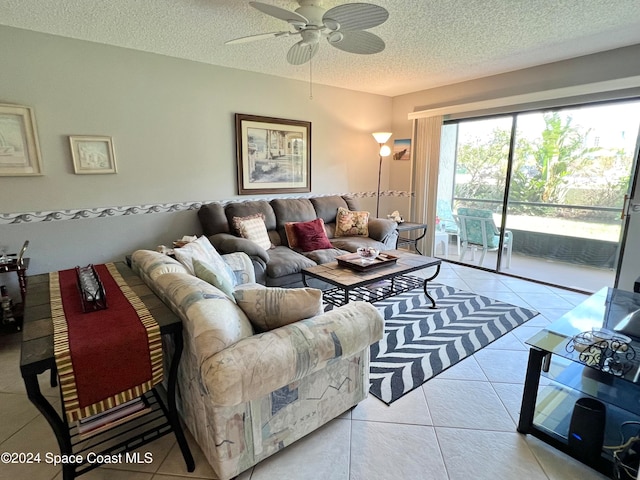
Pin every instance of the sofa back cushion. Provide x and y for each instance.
(289, 210)
(255, 207)
(213, 219)
(327, 207)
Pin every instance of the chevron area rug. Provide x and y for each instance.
(420, 342)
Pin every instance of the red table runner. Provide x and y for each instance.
(106, 357)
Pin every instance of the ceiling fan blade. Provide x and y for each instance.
(302, 52)
(364, 43)
(281, 13)
(260, 36)
(356, 16)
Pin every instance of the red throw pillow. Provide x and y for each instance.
(311, 235)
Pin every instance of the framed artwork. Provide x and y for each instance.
(19, 149)
(273, 155)
(92, 154)
(402, 149)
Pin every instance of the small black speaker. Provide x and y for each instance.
(586, 431)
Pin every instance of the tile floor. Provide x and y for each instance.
(460, 425)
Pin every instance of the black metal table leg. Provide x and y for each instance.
(530, 392)
(173, 411)
(424, 286)
(59, 427)
(415, 245)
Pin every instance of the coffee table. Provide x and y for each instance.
(349, 284)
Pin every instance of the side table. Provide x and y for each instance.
(406, 227)
(20, 268)
(37, 356)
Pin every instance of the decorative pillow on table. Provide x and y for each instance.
(351, 224)
(204, 252)
(272, 307)
(308, 236)
(253, 228)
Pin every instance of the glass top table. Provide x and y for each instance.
(572, 336)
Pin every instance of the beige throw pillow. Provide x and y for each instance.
(272, 307)
(253, 228)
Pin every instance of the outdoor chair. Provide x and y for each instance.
(448, 224)
(478, 230)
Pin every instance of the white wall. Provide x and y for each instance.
(172, 123)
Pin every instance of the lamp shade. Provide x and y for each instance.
(381, 137)
(385, 151)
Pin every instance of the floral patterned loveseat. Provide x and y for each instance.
(245, 395)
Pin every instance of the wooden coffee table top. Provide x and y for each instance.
(345, 277)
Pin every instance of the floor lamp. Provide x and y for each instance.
(385, 151)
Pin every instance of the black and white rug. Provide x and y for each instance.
(420, 342)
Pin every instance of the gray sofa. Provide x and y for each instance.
(281, 266)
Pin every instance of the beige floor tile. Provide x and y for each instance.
(157, 451)
(487, 455)
(508, 366)
(174, 463)
(321, 455)
(511, 396)
(103, 473)
(466, 404)
(17, 411)
(559, 466)
(508, 341)
(382, 451)
(411, 409)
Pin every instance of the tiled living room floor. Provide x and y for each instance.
(460, 425)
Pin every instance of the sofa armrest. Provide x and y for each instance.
(383, 230)
(227, 243)
(258, 365)
(242, 267)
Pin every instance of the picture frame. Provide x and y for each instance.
(273, 155)
(19, 147)
(92, 154)
(402, 149)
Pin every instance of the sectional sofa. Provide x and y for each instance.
(281, 265)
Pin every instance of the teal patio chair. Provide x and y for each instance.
(478, 230)
(448, 223)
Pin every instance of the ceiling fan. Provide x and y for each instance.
(343, 27)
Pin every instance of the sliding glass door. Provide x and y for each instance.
(539, 194)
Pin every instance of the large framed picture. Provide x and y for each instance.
(92, 154)
(19, 149)
(273, 155)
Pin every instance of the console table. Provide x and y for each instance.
(571, 375)
(37, 356)
(406, 227)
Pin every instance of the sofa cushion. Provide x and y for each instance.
(253, 228)
(284, 261)
(272, 307)
(244, 209)
(349, 223)
(206, 272)
(202, 250)
(327, 207)
(351, 244)
(310, 236)
(213, 219)
(154, 264)
(325, 255)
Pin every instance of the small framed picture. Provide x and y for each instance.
(92, 154)
(402, 149)
(19, 150)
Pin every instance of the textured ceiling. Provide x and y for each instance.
(429, 42)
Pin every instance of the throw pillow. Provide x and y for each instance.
(292, 240)
(206, 272)
(311, 235)
(350, 223)
(272, 307)
(253, 228)
(202, 250)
